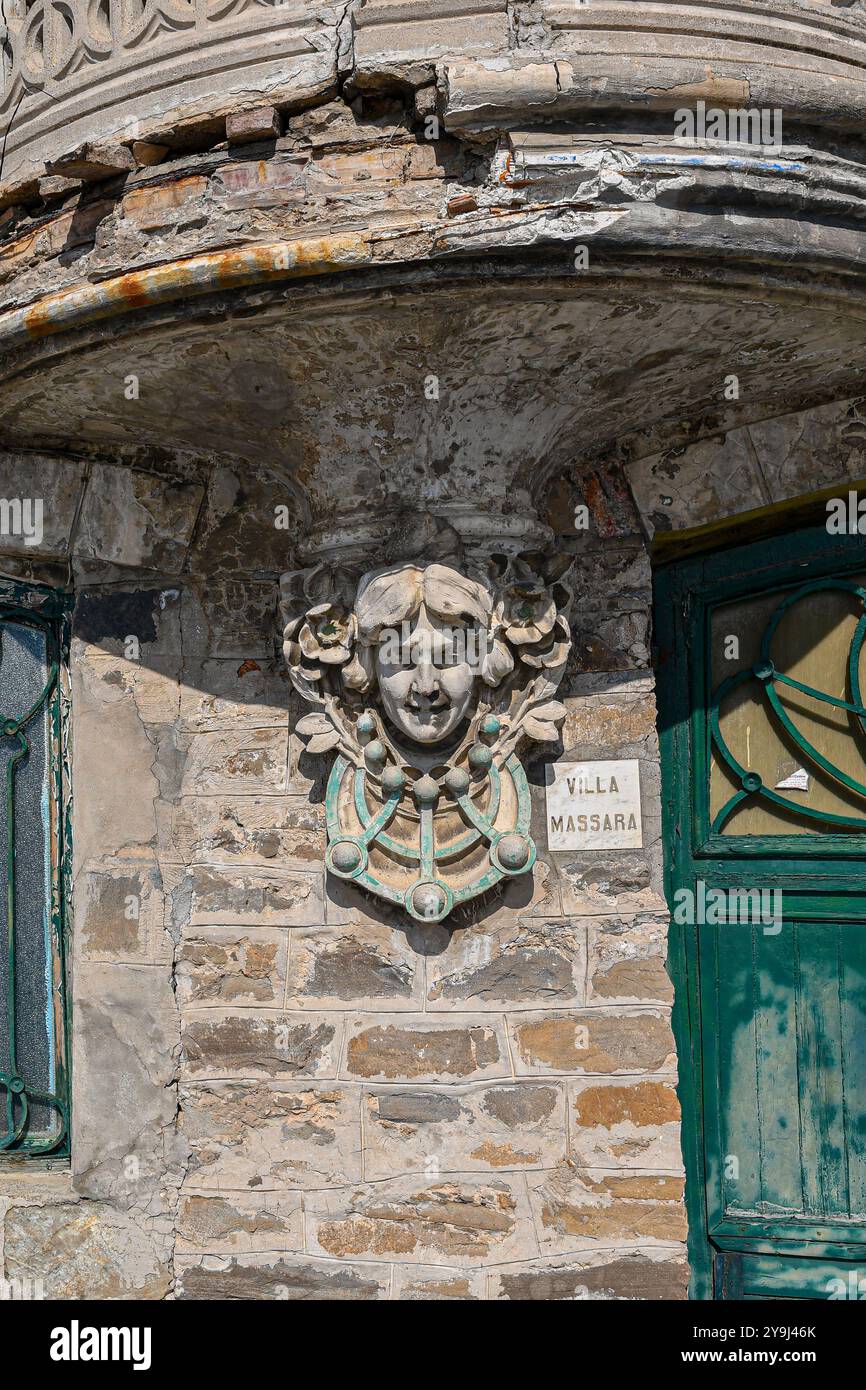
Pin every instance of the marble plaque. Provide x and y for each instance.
(594, 806)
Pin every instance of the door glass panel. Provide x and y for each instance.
(787, 760)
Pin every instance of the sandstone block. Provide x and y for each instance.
(56, 186)
(135, 518)
(152, 208)
(20, 191)
(270, 1136)
(413, 1284)
(593, 1042)
(400, 1049)
(120, 912)
(151, 689)
(232, 967)
(276, 182)
(49, 490)
(511, 1126)
(253, 1045)
(259, 123)
(232, 761)
(239, 617)
(146, 153)
(627, 1274)
(369, 967)
(109, 617)
(468, 1221)
(86, 1250)
(575, 1207)
(598, 882)
(125, 1058)
(627, 962)
(212, 896)
(283, 1278)
(239, 1224)
(531, 962)
(262, 831)
(610, 642)
(625, 1123)
(226, 693)
(596, 727)
(93, 161)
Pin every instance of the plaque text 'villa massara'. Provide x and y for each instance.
(594, 805)
(426, 678)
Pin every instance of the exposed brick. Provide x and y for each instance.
(259, 123)
(161, 205)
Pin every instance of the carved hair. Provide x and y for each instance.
(388, 597)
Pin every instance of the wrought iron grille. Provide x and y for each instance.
(34, 1115)
(772, 682)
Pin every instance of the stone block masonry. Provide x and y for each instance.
(283, 1089)
(280, 1085)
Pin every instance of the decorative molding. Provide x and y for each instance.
(84, 69)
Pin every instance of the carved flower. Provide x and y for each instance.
(304, 674)
(497, 662)
(528, 612)
(553, 651)
(327, 633)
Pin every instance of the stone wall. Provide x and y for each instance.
(281, 1089)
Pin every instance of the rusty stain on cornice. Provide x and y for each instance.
(216, 270)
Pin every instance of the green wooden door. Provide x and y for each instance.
(761, 659)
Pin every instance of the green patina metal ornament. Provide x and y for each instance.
(751, 784)
(427, 678)
(428, 896)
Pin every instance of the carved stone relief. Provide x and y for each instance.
(427, 675)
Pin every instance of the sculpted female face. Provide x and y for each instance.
(427, 629)
(426, 681)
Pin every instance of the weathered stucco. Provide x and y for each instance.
(300, 303)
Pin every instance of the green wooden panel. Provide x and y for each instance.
(784, 1026)
(819, 1071)
(776, 1046)
(748, 1276)
(852, 1026)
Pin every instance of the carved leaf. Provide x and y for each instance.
(544, 731)
(314, 724)
(553, 710)
(308, 689)
(321, 743)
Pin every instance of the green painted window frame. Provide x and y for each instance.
(48, 610)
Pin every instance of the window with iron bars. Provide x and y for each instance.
(34, 850)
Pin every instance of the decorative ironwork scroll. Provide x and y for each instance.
(33, 1073)
(771, 682)
(427, 677)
